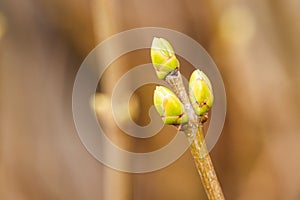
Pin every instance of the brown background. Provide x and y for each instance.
(255, 44)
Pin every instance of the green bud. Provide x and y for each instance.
(169, 106)
(163, 57)
(200, 92)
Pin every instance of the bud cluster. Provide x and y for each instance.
(167, 104)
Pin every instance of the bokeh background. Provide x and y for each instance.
(255, 45)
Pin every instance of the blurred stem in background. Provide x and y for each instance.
(116, 185)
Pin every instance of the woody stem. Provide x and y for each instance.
(205, 166)
(194, 132)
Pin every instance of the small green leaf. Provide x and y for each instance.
(163, 57)
(200, 92)
(169, 106)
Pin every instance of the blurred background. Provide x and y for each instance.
(255, 45)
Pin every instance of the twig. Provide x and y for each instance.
(205, 167)
(193, 131)
(170, 109)
(175, 81)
